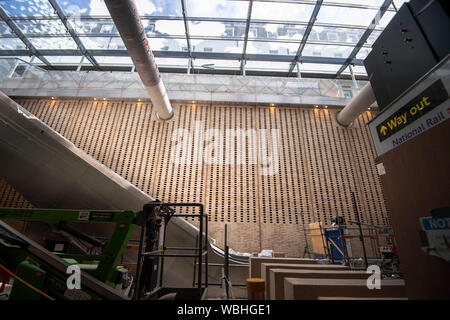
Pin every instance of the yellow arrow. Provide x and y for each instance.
(383, 130)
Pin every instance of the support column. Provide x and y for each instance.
(355, 83)
(80, 64)
(13, 69)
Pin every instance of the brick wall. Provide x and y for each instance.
(319, 164)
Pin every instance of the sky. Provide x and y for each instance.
(200, 8)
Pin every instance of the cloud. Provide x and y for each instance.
(170, 27)
(217, 8)
(207, 28)
(145, 7)
(98, 8)
(281, 11)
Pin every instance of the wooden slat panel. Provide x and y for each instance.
(320, 163)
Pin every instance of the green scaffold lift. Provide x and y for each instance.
(41, 274)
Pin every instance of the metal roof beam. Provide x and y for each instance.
(247, 30)
(16, 30)
(178, 54)
(306, 34)
(365, 35)
(207, 19)
(64, 20)
(327, 3)
(188, 35)
(317, 42)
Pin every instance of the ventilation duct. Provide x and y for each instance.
(356, 106)
(126, 18)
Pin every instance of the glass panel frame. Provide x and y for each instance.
(327, 51)
(53, 43)
(217, 8)
(217, 27)
(114, 61)
(340, 15)
(357, 70)
(272, 48)
(103, 43)
(217, 64)
(281, 11)
(319, 68)
(336, 35)
(252, 65)
(276, 31)
(172, 62)
(67, 60)
(5, 30)
(217, 46)
(12, 44)
(41, 27)
(94, 26)
(35, 8)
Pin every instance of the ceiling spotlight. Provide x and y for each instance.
(53, 98)
(95, 98)
(316, 106)
(104, 98)
(139, 100)
(325, 107)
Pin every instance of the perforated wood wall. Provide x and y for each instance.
(320, 163)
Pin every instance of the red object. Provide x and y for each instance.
(385, 240)
(5, 279)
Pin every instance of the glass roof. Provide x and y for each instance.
(271, 36)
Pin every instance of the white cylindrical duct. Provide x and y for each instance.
(356, 106)
(126, 18)
(159, 97)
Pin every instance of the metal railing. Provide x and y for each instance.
(353, 243)
(199, 253)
